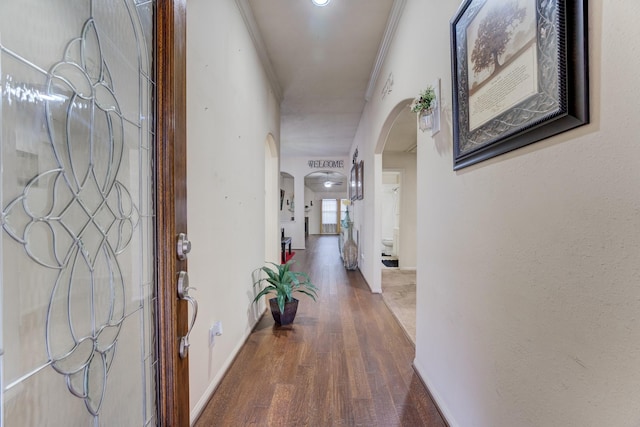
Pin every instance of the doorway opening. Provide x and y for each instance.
(271, 200)
(321, 218)
(396, 216)
(390, 218)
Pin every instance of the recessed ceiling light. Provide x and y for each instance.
(321, 2)
(327, 184)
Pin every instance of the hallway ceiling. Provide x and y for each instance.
(320, 61)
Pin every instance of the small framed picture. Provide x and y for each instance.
(360, 180)
(353, 183)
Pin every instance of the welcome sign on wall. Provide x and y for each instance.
(326, 164)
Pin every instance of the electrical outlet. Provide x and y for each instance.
(217, 328)
(214, 331)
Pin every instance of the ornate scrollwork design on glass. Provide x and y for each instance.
(87, 218)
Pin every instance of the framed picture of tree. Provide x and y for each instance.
(519, 74)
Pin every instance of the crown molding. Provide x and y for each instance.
(256, 37)
(392, 24)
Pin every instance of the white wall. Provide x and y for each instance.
(231, 112)
(406, 164)
(528, 273)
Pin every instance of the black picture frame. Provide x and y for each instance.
(353, 183)
(539, 90)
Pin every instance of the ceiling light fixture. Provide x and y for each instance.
(327, 184)
(320, 3)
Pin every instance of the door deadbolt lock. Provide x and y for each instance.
(184, 246)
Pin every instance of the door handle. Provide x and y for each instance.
(183, 294)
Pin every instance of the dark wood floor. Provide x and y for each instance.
(345, 361)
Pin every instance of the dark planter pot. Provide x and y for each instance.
(290, 309)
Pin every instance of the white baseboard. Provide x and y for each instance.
(442, 407)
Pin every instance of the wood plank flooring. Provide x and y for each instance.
(345, 361)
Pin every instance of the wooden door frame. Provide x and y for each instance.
(171, 209)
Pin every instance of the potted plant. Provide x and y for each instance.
(283, 283)
(424, 105)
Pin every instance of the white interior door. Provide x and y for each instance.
(78, 333)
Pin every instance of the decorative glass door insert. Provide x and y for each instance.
(77, 238)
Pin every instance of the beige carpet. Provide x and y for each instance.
(399, 292)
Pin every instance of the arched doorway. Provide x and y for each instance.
(271, 200)
(396, 214)
(320, 189)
